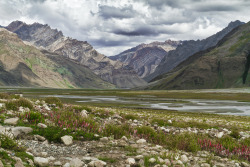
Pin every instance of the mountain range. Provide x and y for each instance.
(52, 40)
(35, 55)
(187, 49)
(145, 58)
(225, 65)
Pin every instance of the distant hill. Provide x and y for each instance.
(24, 65)
(145, 58)
(52, 40)
(187, 49)
(225, 65)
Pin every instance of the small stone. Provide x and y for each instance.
(58, 163)
(205, 165)
(167, 162)
(130, 161)
(30, 162)
(1, 163)
(104, 139)
(244, 164)
(44, 154)
(40, 138)
(67, 140)
(76, 162)
(40, 125)
(19, 131)
(219, 135)
(51, 158)
(152, 160)
(138, 157)
(11, 121)
(170, 121)
(97, 163)
(184, 158)
(141, 141)
(84, 114)
(124, 138)
(41, 161)
(19, 163)
(66, 165)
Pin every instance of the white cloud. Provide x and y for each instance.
(111, 26)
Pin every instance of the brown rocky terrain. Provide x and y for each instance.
(24, 65)
(145, 58)
(43, 37)
(223, 66)
(187, 49)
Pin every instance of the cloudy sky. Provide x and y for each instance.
(112, 26)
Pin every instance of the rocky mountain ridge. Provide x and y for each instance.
(42, 36)
(187, 49)
(25, 66)
(144, 58)
(225, 65)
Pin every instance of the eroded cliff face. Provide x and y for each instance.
(145, 58)
(187, 49)
(24, 65)
(43, 37)
(225, 65)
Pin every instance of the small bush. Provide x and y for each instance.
(160, 122)
(103, 113)
(53, 100)
(235, 134)
(4, 96)
(14, 105)
(79, 108)
(33, 117)
(116, 131)
(8, 143)
(130, 116)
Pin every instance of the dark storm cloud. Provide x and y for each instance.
(141, 31)
(108, 12)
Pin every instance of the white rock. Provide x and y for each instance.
(104, 139)
(67, 140)
(40, 125)
(11, 121)
(141, 141)
(124, 138)
(44, 154)
(220, 134)
(58, 163)
(76, 162)
(66, 165)
(84, 114)
(97, 163)
(40, 138)
(152, 160)
(170, 121)
(41, 161)
(138, 157)
(2, 105)
(130, 161)
(89, 159)
(184, 158)
(18, 131)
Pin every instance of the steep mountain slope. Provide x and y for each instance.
(44, 37)
(187, 49)
(223, 66)
(23, 65)
(145, 58)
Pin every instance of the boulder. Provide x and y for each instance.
(84, 113)
(40, 125)
(104, 139)
(39, 161)
(97, 163)
(130, 161)
(152, 160)
(184, 159)
(11, 121)
(19, 131)
(67, 140)
(219, 135)
(141, 141)
(76, 162)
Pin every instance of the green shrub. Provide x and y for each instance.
(34, 117)
(4, 96)
(79, 108)
(130, 116)
(160, 122)
(103, 113)
(235, 133)
(15, 104)
(228, 142)
(8, 143)
(53, 100)
(116, 131)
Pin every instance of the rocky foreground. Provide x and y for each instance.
(46, 132)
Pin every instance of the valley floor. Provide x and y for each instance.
(47, 132)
